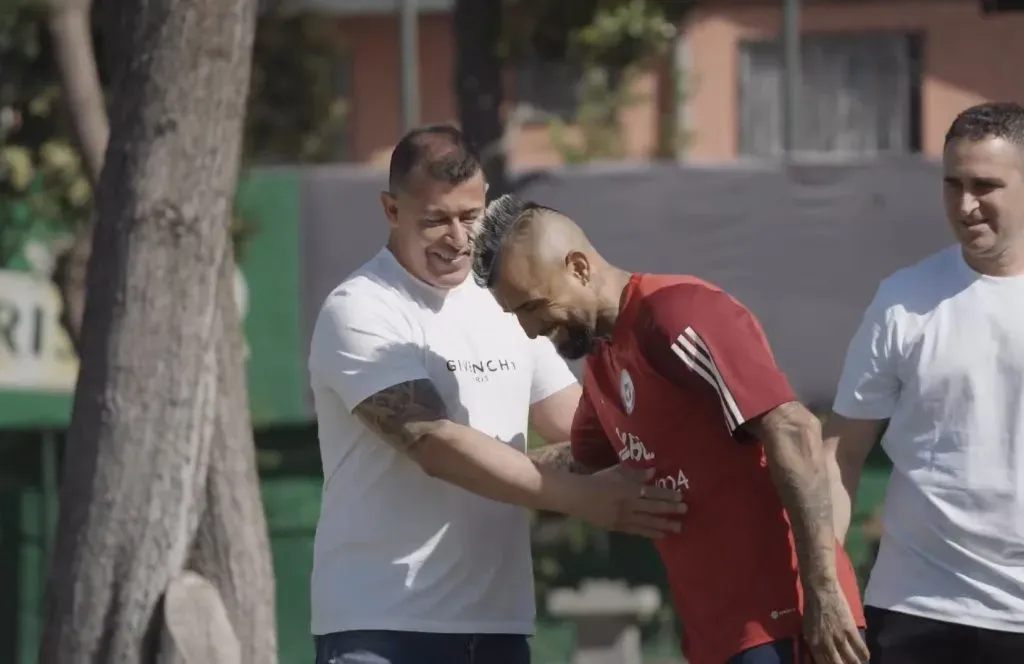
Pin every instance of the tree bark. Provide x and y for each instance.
(232, 547)
(478, 85)
(196, 626)
(69, 274)
(150, 400)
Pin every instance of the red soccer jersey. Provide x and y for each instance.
(686, 367)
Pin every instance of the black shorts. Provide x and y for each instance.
(900, 638)
(388, 647)
(786, 651)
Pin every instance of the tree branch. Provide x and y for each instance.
(70, 28)
(73, 51)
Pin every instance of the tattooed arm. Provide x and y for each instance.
(405, 414)
(413, 419)
(552, 419)
(799, 467)
(366, 355)
(588, 450)
(796, 458)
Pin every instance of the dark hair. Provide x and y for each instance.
(502, 219)
(440, 151)
(991, 120)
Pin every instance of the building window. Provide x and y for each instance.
(546, 90)
(860, 95)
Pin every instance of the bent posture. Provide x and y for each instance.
(680, 379)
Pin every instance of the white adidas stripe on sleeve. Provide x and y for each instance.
(691, 349)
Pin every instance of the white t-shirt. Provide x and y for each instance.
(940, 353)
(395, 548)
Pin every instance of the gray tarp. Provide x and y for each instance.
(804, 248)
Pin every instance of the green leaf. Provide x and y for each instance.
(43, 104)
(79, 192)
(19, 169)
(60, 156)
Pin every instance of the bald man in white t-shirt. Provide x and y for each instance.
(938, 366)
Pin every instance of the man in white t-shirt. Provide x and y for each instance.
(938, 367)
(424, 391)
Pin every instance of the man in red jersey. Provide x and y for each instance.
(679, 378)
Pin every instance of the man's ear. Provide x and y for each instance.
(390, 205)
(579, 266)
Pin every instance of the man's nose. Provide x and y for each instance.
(532, 329)
(968, 204)
(458, 234)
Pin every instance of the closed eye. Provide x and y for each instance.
(532, 305)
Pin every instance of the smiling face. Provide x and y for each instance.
(431, 221)
(983, 193)
(553, 299)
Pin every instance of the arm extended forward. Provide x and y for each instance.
(413, 419)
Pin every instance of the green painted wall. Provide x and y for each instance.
(271, 263)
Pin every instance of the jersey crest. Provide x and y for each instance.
(627, 391)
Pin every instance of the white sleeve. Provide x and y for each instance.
(870, 385)
(361, 346)
(551, 374)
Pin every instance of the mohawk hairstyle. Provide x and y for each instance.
(991, 120)
(502, 219)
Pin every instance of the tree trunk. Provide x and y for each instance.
(478, 85)
(232, 547)
(149, 403)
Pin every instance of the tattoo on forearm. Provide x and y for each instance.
(558, 456)
(402, 414)
(796, 459)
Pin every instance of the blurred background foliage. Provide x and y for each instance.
(296, 113)
(295, 116)
(610, 42)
